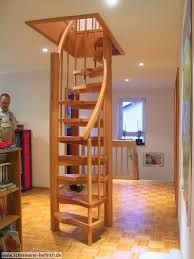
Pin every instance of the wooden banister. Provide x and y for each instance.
(98, 107)
(124, 147)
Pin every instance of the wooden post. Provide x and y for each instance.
(54, 131)
(89, 190)
(107, 45)
(75, 132)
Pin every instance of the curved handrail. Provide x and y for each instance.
(98, 107)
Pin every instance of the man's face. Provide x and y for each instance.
(4, 103)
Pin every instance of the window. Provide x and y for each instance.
(132, 119)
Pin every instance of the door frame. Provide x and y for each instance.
(176, 137)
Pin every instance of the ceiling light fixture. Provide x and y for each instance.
(126, 80)
(112, 2)
(141, 64)
(45, 50)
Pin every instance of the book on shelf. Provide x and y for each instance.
(6, 184)
(4, 177)
(7, 188)
(3, 206)
(4, 231)
(10, 242)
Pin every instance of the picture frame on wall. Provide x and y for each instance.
(153, 159)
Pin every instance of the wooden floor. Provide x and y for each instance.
(144, 220)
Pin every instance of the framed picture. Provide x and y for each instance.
(154, 159)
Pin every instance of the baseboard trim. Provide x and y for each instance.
(40, 188)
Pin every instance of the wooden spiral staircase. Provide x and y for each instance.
(85, 49)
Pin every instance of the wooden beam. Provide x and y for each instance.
(54, 131)
(107, 45)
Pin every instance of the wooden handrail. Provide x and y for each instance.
(98, 107)
(123, 143)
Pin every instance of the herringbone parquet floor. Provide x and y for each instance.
(144, 220)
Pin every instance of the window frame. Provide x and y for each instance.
(120, 118)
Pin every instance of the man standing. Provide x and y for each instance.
(7, 120)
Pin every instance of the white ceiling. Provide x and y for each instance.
(147, 30)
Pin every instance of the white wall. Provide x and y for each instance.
(30, 103)
(158, 129)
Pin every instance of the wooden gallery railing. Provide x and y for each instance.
(125, 160)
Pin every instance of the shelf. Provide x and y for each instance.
(4, 164)
(5, 221)
(76, 220)
(5, 193)
(4, 151)
(79, 199)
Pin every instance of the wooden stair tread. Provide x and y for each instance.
(76, 220)
(81, 104)
(79, 140)
(79, 199)
(88, 88)
(80, 178)
(91, 72)
(79, 122)
(79, 160)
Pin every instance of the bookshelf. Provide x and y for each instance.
(23, 139)
(12, 195)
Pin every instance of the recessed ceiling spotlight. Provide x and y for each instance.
(45, 50)
(112, 2)
(128, 79)
(141, 64)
